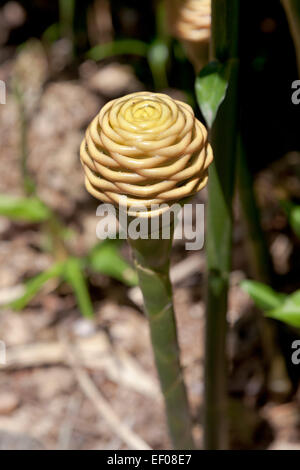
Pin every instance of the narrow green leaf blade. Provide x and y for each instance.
(29, 209)
(34, 285)
(263, 296)
(289, 312)
(210, 86)
(107, 259)
(74, 275)
(295, 297)
(121, 47)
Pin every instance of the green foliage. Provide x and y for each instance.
(51, 34)
(158, 57)
(106, 258)
(211, 86)
(157, 52)
(71, 271)
(29, 209)
(121, 47)
(264, 296)
(34, 285)
(289, 311)
(294, 220)
(285, 308)
(293, 214)
(66, 17)
(73, 274)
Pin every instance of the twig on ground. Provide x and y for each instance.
(130, 438)
(95, 353)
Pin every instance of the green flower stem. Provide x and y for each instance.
(152, 258)
(224, 47)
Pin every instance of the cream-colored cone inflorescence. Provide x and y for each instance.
(147, 147)
(190, 19)
(190, 22)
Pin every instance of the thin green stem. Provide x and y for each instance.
(28, 183)
(152, 259)
(53, 225)
(66, 18)
(158, 51)
(292, 10)
(54, 229)
(257, 251)
(224, 47)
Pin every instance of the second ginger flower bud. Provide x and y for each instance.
(190, 22)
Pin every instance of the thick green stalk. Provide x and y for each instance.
(292, 10)
(224, 48)
(257, 251)
(152, 258)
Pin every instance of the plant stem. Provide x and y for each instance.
(152, 258)
(52, 226)
(28, 183)
(66, 18)
(224, 47)
(256, 245)
(292, 10)
(54, 229)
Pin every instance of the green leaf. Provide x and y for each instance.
(289, 312)
(293, 213)
(211, 86)
(263, 296)
(52, 33)
(107, 259)
(294, 219)
(29, 209)
(295, 297)
(74, 275)
(121, 47)
(34, 285)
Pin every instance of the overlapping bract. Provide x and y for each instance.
(190, 20)
(148, 147)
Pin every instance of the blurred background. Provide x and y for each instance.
(79, 370)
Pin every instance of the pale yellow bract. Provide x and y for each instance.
(190, 20)
(148, 147)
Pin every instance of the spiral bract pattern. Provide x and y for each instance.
(147, 147)
(190, 19)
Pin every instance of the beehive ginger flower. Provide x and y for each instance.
(190, 19)
(190, 22)
(147, 147)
